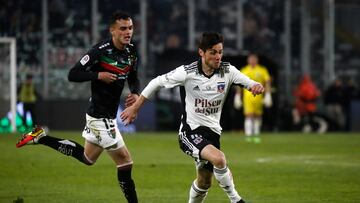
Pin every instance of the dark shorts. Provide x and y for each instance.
(193, 142)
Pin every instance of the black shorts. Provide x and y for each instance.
(192, 142)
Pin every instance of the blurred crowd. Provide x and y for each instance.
(70, 27)
(319, 111)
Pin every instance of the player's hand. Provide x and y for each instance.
(128, 115)
(257, 89)
(107, 77)
(267, 100)
(237, 101)
(130, 99)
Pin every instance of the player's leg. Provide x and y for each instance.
(257, 124)
(123, 161)
(92, 152)
(221, 171)
(191, 144)
(64, 146)
(31, 107)
(117, 150)
(200, 186)
(104, 134)
(202, 144)
(248, 127)
(248, 121)
(258, 112)
(248, 113)
(257, 128)
(26, 110)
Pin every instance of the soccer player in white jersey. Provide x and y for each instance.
(204, 85)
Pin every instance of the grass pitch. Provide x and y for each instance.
(284, 168)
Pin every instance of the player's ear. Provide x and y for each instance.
(111, 29)
(201, 52)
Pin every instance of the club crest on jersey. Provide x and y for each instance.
(221, 87)
(84, 59)
(112, 133)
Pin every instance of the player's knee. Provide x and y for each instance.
(120, 155)
(219, 160)
(204, 183)
(88, 161)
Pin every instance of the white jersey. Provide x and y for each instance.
(202, 96)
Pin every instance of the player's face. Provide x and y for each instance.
(212, 57)
(122, 31)
(252, 60)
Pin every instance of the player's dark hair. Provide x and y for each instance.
(118, 15)
(209, 39)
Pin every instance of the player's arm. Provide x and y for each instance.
(133, 81)
(134, 86)
(267, 98)
(242, 80)
(168, 80)
(238, 95)
(82, 70)
(237, 98)
(130, 113)
(257, 89)
(267, 79)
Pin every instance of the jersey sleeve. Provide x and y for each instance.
(238, 78)
(81, 71)
(133, 79)
(171, 79)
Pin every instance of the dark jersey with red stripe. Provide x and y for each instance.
(104, 56)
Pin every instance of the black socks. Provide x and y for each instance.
(67, 147)
(126, 183)
(71, 148)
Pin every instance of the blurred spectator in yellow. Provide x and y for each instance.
(28, 95)
(253, 106)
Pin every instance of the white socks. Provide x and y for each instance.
(257, 126)
(225, 180)
(248, 126)
(252, 126)
(197, 195)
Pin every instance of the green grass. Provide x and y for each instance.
(284, 168)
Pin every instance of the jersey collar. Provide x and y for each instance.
(202, 72)
(126, 48)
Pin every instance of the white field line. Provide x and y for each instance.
(308, 159)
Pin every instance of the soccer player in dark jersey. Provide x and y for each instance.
(204, 85)
(107, 65)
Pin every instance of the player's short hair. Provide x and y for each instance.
(209, 39)
(118, 15)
